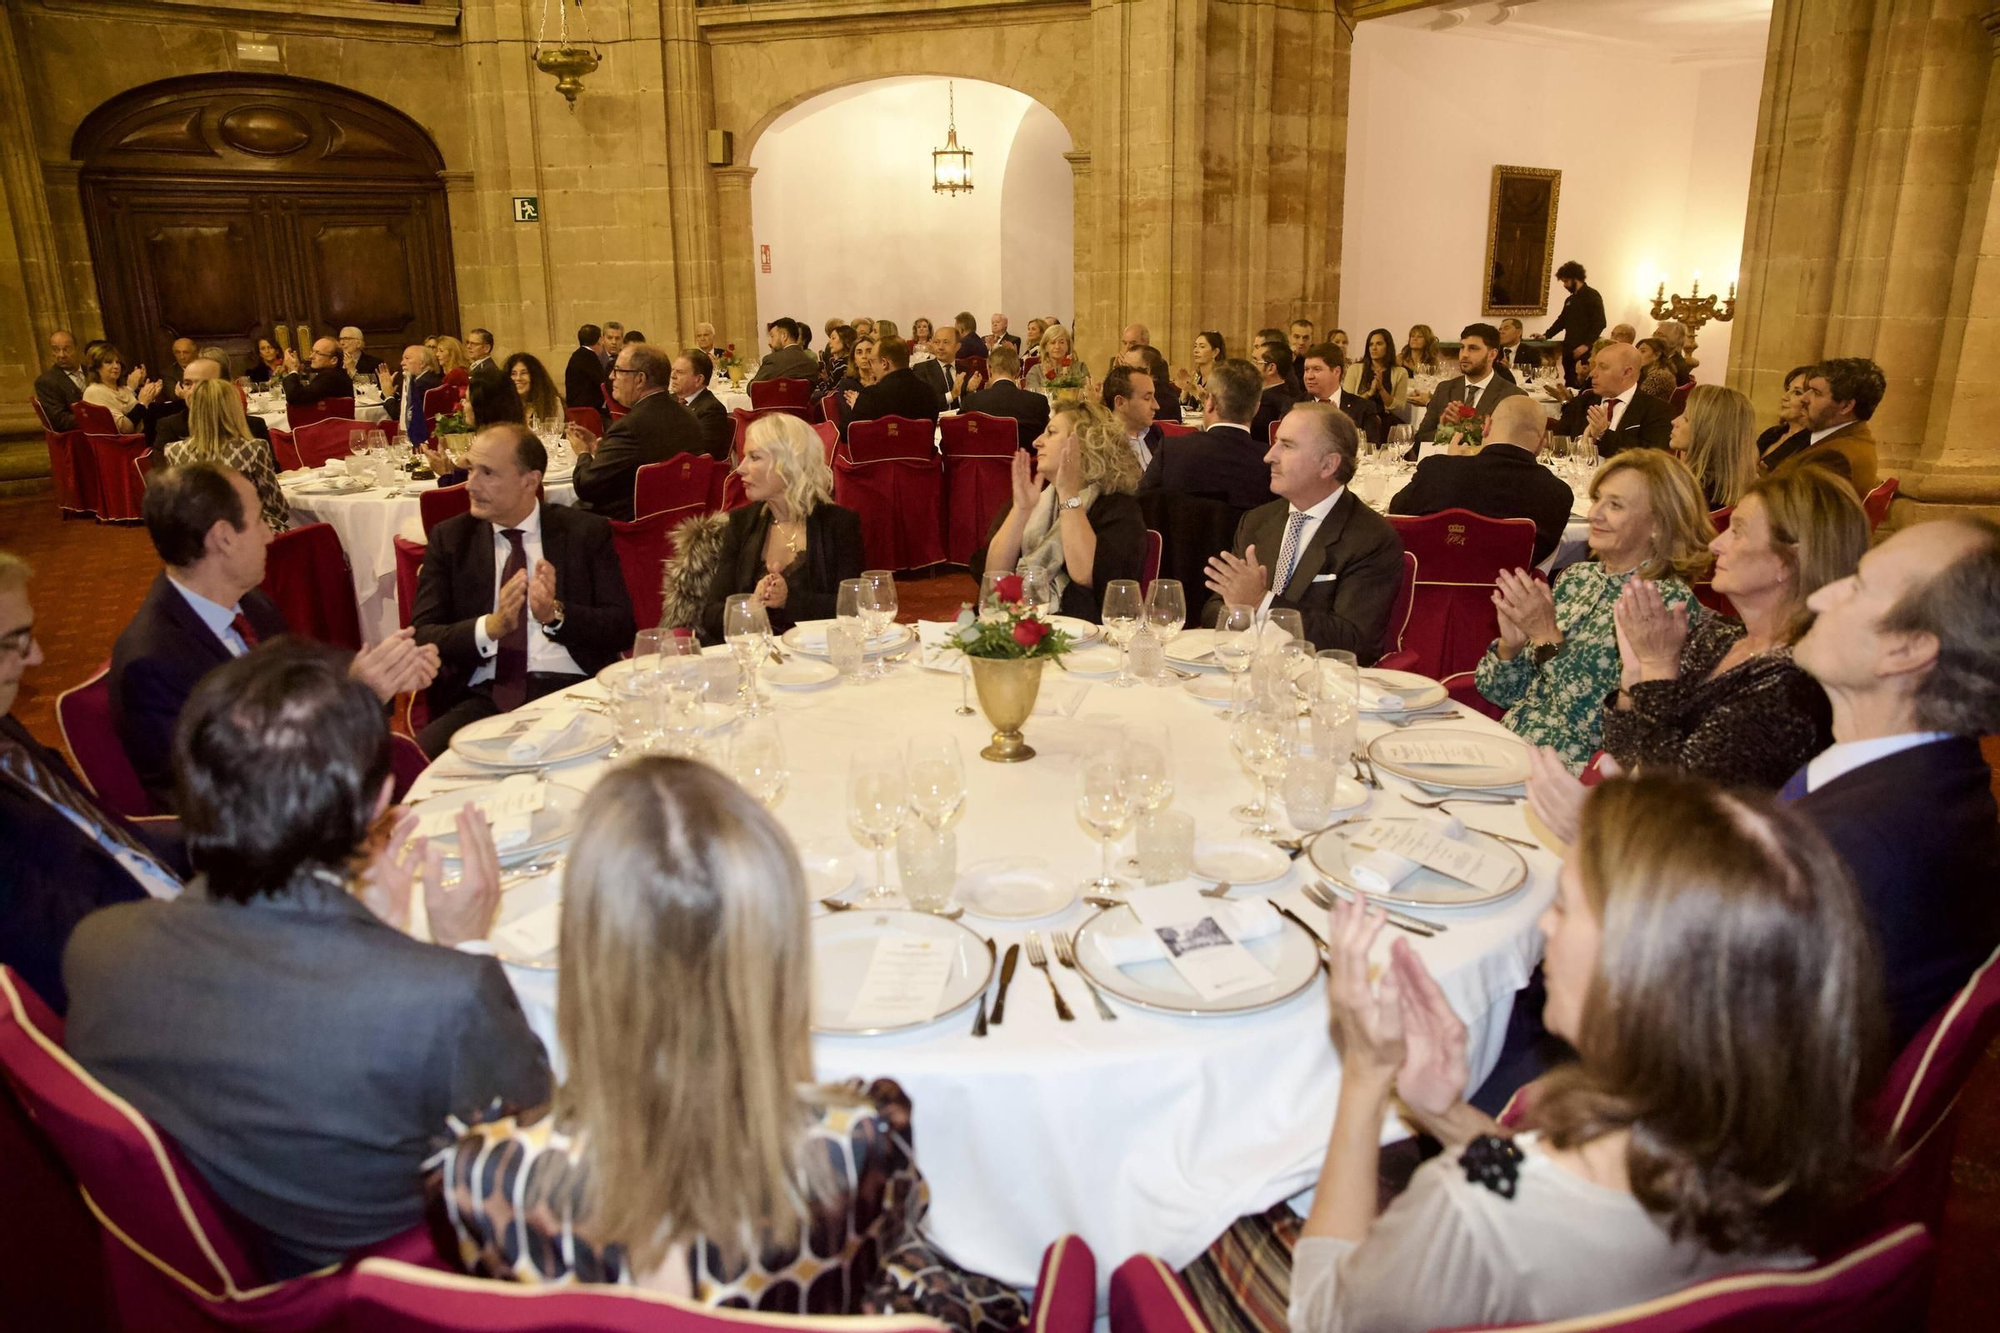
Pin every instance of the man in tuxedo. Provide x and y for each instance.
(787, 360)
(1908, 652)
(324, 376)
(1580, 321)
(1000, 335)
(1129, 395)
(355, 358)
(1612, 413)
(1331, 558)
(520, 598)
(1476, 383)
(59, 388)
(690, 386)
(654, 428)
(969, 341)
(583, 377)
(174, 428)
(1221, 461)
(403, 394)
(1301, 336)
(1511, 355)
(1003, 396)
(205, 607)
(1324, 367)
(1840, 397)
(898, 393)
(1274, 360)
(1503, 480)
(479, 352)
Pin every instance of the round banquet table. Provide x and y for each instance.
(1152, 1133)
(367, 523)
(277, 416)
(1377, 483)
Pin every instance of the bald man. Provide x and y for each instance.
(1503, 479)
(322, 378)
(1612, 413)
(1135, 335)
(175, 427)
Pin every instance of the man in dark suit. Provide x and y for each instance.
(1003, 396)
(355, 358)
(1512, 356)
(324, 377)
(786, 360)
(206, 607)
(300, 1049)
(1128, 393)
(403, 394)
(969, 341)
(479, 355)
(1316, 549)
(1905, 650)
(692, 369)
(654, 428)
(1503, 480)
(520, 598)
(898, 393)
(998, 334)
(174, 428)
(940, 371)
(1612, 413)
(1476, 383)
(1581, 320)
(1274, 358)
(59, 388)
(1839, 398)
(1222, 461)
(1324, 366)
(583, 377)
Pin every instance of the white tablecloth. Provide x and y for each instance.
(368, 522)
(278, 417)
(1152, 1133)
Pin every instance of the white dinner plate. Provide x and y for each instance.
(1091, 662)
(1012, 889)
(1333, 854)
(1209, 689)
(1080, 631)
(1290, 956)
(1511, 771)
(809, 637)
(798, 673)
(1195, 648)
(831, 868)
(1415, 691)
(1239, 861)
(549, 826)
(844, 942)
(485, 742)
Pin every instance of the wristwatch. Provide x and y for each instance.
(553, 625)
(1074, 502)
(1545, 651)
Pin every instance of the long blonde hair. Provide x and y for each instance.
(799, 455)
(684, 1004)
(1049, 335)
(1105, 458)
(1680, 544)
(450, 354)
(1818, 529)
(1722, 441)
(215, 418)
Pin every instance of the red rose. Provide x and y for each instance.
(1064, 363)
(1008, 589)
(1028, 633)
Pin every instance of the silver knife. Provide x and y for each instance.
(1372, 903)
(979, 1019)
(1007, 965)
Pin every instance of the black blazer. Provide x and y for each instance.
(1345, 581)
(1497, 390)
(364, 364)
(790, 362)
(455, 588)
(1004, 398)
(971, 345)
(1518, 357)
(158, 660)
(718, 429)
(487, 371)
(57, 393)
(1275, 401)
(174, 429)
(1121, 553)
(1222, 463)
(656, 429)
(1169, 402)
(1646, 423)
(1500, 481)
(583, 380)
(320, 385)
(900, 393)
(1582, 318)
(1918, 831)
(833, 552)
(938, 377)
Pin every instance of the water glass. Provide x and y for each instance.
(1105, 804)
(927, 863)
(1038, 589)
(1259, 740)
(1312, 776)
(1235, 647)
(878, 609)
(646, 650)
(1166, 846)
(1122, 610)
(843, 649)
(757, 760)
(877, 797)
(1166, 616)
(747, 629)
(937, 779)
(635, 710)
(991, 606)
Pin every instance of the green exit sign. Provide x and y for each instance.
(527, 208)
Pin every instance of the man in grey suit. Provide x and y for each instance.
(787, 360)
(275, 1021)
(1316, 549)
(1477, 383)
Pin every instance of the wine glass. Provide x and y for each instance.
(1149, 764)
(1038, 589)
(1337, 712)
(1121, 611)
(1105, 803)
(757, 760)
(1166, 614)
(876, 797)
(685, 681)
(878, 609)
(1259, 741)
(747, 630)
(991, 605)
(937, 780)
(1284, 618)
(1235, 647)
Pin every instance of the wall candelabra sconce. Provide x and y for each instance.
(1695, 309)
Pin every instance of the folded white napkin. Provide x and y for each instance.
(550, 730)
(1249, 919)
(1060, 698)
(1380, 872)
(515, 827)
(938, 646)
(1378, 700)
(812, 638)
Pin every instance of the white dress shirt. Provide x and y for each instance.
(1615, 407)
(1145, 455)
(220, 619)
(544, 653)
(1840, 759)
(1819, 435)
(1475, 389)
(1314, 517)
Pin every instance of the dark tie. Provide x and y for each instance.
(510, 664)
(1794, 788)
(1471, 395)
(244, 630)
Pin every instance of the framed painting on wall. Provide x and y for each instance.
(1520, 241)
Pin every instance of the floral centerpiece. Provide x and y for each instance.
(1064, 377)
(453, 434)
(725, 360)
(1460, 427)
(1006, 652)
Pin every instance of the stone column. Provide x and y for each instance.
(691, 184)
(32, 301)
(738, 323)
(1086, 254)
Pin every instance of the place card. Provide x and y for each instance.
(518, 799)
(1454, 753)
(1060, 698)
(904, 983)
(1434, 851)
(1190, 928)
(532, 934)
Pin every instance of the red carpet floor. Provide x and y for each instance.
(90, 578)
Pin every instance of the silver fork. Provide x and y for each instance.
(1468, 800)
(1322, 894)
(1066, 955)
(1365, 779)
(1038, 957)
(1416, 719)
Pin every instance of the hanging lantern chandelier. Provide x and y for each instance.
(568, 62)
(951, 166)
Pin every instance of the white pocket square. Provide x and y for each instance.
(1325, 578)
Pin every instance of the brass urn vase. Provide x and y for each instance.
(1007, 688)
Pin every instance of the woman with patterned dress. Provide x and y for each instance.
(1556, 659)
(689, 1151)
(218, 432)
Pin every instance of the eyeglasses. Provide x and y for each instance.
(626, 370)
(18, 644)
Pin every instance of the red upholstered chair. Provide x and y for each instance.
(326, 408)
(306, 574)
(70, 467)
(1704, 591)
(1677, 402)
(409, 562)
(587, 417)
(439, 503)
(83, 715)
(613, 409)
(1172, 429)
(1462, 553)
(286, 451)
(1394, 657)
(969, 366)
(829, 438)
(120, 493)
(1149, 563)
(407, 762)
(793, 396)
(437, 402)
(1028, 363)
(1147, 1297)
(334, 438)
(1876, 503)
(978, 478)
(681, 485)
(744, 417)
(889, 473)
(829, 407)
(643, 546)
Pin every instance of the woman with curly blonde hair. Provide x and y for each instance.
(1075, 511)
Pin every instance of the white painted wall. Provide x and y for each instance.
(1655, 157)
(843, 197)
